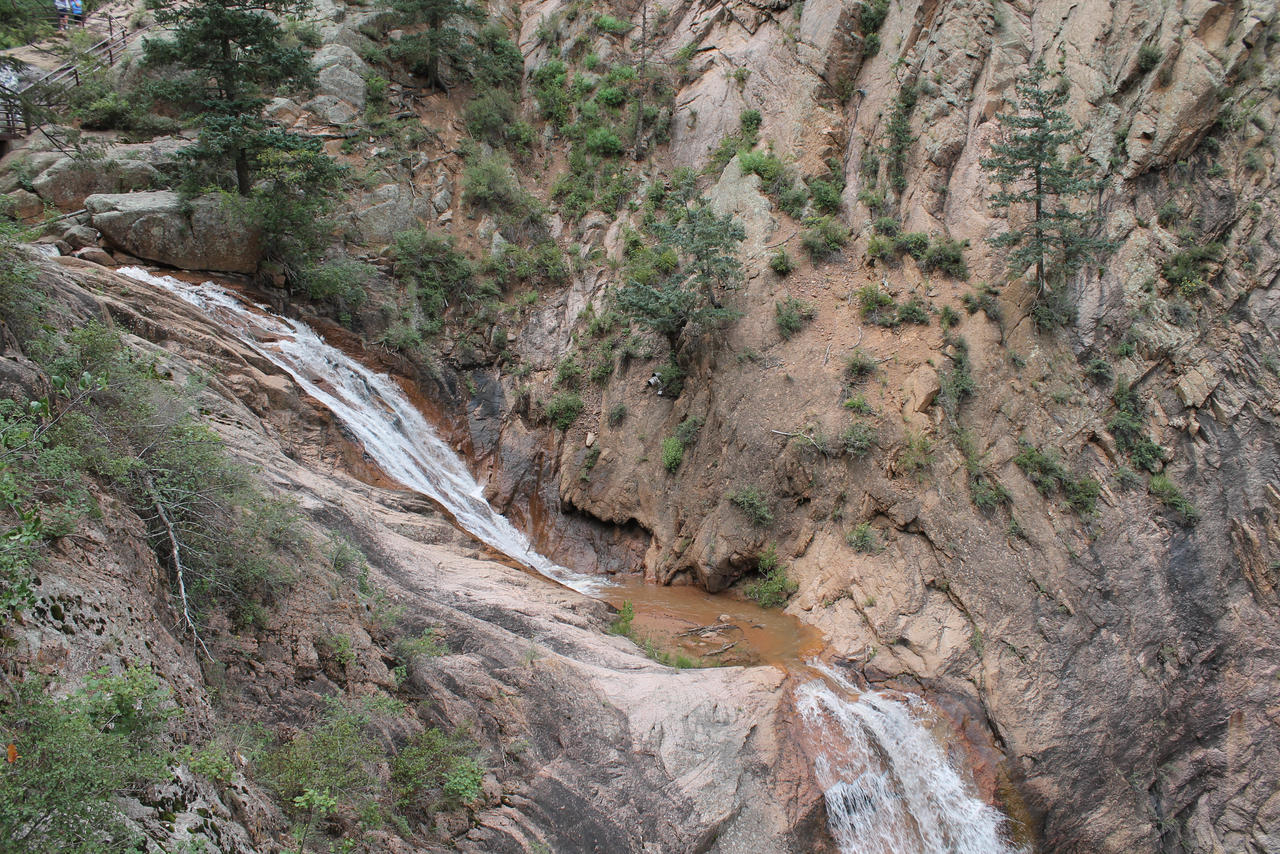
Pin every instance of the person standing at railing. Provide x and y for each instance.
(77, 12)
(63, 8)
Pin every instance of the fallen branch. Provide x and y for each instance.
(175, 554)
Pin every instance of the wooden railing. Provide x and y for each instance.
(15, 124)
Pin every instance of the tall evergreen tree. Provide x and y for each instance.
(425, 51)
(1028, 164)
(228, 56)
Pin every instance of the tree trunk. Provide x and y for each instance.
(243, 183)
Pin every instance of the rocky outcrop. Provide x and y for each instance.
(69, 181)
(201, 234)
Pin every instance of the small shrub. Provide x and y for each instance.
(752, 502)
(857, 440)
(763, 163)
(621, 624)
(916, 456)
(435, 769)
(568, 372)
(672, 454)
(859, 406)
(1127, 479)
(1048, 475)
(859, 365)
(775, 588)
(1149, 57)
(823, 237)
(688, 429)
(604, 142)
(790, 315)
(946, 256)
(671, 376)
(617, 414)
(913, 243)
(564, 409)
(1168, 214)
(887, 226)
(948, 318)
(780, 262)
(863, 539)
(913, 311)
(1168, 494)
(1099, 371)
(613, 26)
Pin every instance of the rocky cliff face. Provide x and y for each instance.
(1123, 658)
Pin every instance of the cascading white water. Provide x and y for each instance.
(375, 409)
(889, 787)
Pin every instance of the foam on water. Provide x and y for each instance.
(889, 786)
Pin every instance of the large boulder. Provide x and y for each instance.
(202, 234)
(386, 211)
(343, 84)
(69, 181)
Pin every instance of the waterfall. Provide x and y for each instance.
(889, 786)
(376, 410)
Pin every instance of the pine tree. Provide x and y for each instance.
(1028, 165)
(424, 51)
(687, 297)
(228, 55)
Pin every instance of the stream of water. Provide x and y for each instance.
(890, 787)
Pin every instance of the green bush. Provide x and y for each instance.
(1168, 494)
(434, 271)
(613, 26)
(947, 256)
(763, 163)
(489, 184)
(671, 376)
(859, 365)
(913, 311)
(687, 430)
(493, 118)
(859, 406)
(436, 769)
(341, 282)
(863, 539)
(1168, 214)
(916, 455)
(871, 15)
(568, 372)
(774, 588)
(1187, 270)
(604, 142)
(913, 243)
(672, 453)
(1149, 57)
(887, 226)
(790, 315)
(857, 440)
(564, 409)
(617, 414)
(1099, 371)
(1047, 474)
(780, 262)
(75, 755)
(752, 502)
(823, 237)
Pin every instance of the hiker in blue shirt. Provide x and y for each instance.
(77, 12)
